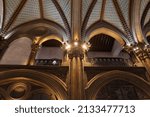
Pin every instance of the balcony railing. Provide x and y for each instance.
(103, 61)
(48, 62)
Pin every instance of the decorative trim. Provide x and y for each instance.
(87, 16)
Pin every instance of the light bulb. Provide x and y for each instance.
(75, 43)
(68, 46)
(84, 46)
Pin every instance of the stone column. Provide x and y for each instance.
(75, 54)
(34, 51)
(76, 80)
(142, 52)
(3, 46)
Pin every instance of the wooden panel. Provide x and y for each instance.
(102, 42)
(51, 43)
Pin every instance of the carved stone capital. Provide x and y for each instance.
(35, 48)
(76, 49)
(128, 49)
(147, 50)
(76, 52)
(140, 52)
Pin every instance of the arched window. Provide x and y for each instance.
(50, 53)
(105, 51)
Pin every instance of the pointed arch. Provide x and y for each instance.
(102, 79)
(106, 28)
(107, 32)
(52, 26)
(55, 37)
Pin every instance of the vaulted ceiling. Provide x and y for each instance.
(117, 15)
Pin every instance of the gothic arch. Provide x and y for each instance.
(105, 31)
(102, 79)
(106, 28)
(50, 38)
(50, 81)
(52, 26)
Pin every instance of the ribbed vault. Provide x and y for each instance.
(116, 13)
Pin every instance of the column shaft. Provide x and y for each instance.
(76, 79)
(34, 50)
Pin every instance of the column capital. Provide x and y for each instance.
(141, 53)
(76, 52)
(141, 50)
(34, 50)
(76, 49)
(147, 50)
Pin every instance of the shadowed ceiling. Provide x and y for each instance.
(51, 43)
(102, 42)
